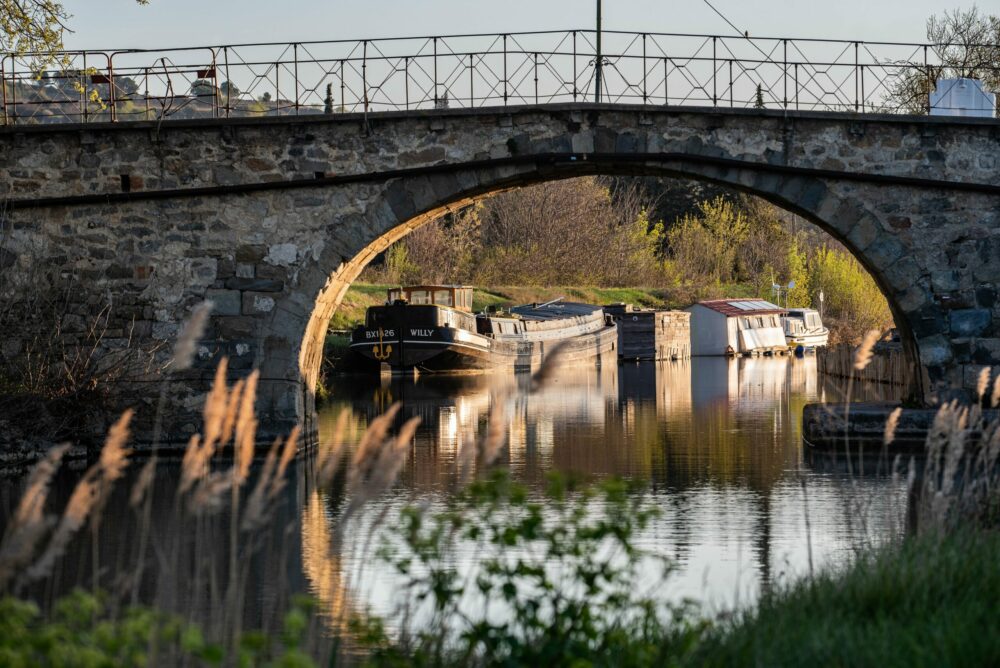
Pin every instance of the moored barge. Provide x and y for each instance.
(432, 329)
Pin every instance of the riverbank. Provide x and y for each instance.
(928, 602)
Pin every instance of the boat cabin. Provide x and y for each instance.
(458, 297)
(736, 327)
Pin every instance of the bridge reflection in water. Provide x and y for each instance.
(717, 442)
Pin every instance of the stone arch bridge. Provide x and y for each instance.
(273, 218)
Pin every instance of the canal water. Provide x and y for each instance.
(715, 442)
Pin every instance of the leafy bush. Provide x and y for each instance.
(561, 582)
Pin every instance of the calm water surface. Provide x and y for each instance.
(715, 441)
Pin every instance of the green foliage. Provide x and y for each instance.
(561, 583)
(929, 602)
(797, 272)
(853, 302)
(83, 632)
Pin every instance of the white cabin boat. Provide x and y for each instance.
(804, 327)
(736, 327)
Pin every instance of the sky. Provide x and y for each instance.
(119, 24)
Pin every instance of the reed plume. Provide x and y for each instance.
(863, 355)
(891, 424)
(89, 494)
(29, 523)
(983, 383)
(193, 330)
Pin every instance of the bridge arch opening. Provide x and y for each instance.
(451, 192)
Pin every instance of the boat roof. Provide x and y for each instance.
(738, 307)
(554, 311)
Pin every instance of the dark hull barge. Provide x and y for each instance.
(430, 329)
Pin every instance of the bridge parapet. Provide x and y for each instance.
(472, 71)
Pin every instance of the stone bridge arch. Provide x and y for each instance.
(273, 218)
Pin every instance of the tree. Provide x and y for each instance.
(34, 26)
(758, 102)
(966, 44)
(229, 90)
(202, 88)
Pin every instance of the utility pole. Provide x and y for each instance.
(599, 61)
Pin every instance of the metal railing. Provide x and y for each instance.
(465, 71)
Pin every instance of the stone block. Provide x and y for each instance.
(250, 253)
(935, 350)
(243, 270)
(255, 303)
(225, 302)
(255, 284)
(969, 322)
(282, 255)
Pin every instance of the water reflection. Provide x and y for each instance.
(716, 440)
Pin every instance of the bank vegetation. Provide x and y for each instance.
(611, 233)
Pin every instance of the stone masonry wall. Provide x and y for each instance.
(276, 257)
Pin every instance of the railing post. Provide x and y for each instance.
(857, 77)
(406, 80)
(645, 97)
(435, 72)
(863, 105)
(796, 86)
(666, 81)
(146, 93)
(277, 89)
(343, 100)
(364, 73)
(472, 81)
(505, 70)
(3, 87)
(229, 94)
(83, 93)
(574, 67)
(295, 72)
(730, 83)
(784, 67)
(715, 98)
(536, 78)
(111, 89)
(930, 80)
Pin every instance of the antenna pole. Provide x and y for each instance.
(599, 61)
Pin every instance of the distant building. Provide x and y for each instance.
(962, 97)
(736, 327)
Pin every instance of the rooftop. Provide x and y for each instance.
(738, 307)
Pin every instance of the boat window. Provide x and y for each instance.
(443, 297)
(812, 320)
(420, 297)
(746, 323)
(393, 295)
(760, 321)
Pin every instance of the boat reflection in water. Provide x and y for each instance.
(716, 440)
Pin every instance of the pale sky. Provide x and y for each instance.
(117, 24)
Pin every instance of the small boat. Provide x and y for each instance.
(431, 329)
(804, 327)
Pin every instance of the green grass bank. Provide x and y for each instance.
(928, 602)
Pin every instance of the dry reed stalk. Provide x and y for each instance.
(548, 366)
(256, 510)
(863, 355)
(496, 433)
(246, 428)
(983, 383)
(331, 453)
(891, 424)
(191, 465)
(142, 483)
(29, 523)
(369, 446)
(208, 493)
(287, 453)
(232, 414)
(90, 493)
(385, 467)
(995, 395)
(215, 408)
(193, 330)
